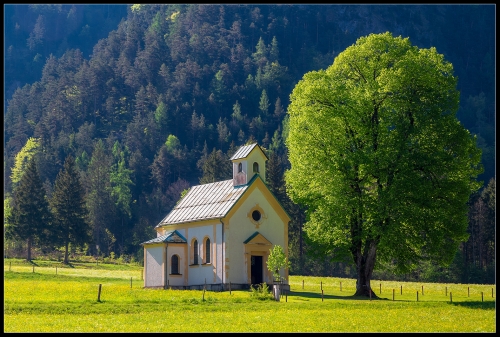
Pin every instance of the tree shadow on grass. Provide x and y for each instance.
(489, 305)
(311, 295)
(69, 265)
(476, 305)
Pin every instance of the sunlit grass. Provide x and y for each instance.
(333, 286)
(67, 302)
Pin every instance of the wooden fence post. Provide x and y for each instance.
(340, 285)
(303, 285)
(401, 290)
(380, 288)
(417, 295)
(130, 282)
(204, 288)
(451, 298)
(482, 297)
(321, 295)
(422, 290)
(468, 292)
(393, 294)
(99, 293)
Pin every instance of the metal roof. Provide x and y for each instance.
(172, 236)
(244, 151)
(203, 202)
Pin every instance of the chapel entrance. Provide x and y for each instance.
(256, 269)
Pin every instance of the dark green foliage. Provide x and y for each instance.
(69, 210)
(30, 218)
(216, 167)
(99, 200)
(199, 72)
(479, 251)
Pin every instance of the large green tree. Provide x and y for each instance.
(30, 217)
(379, 158)
(69, 209)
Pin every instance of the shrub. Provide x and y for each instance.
(261, 292)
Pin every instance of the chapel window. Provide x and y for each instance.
(175, 264)
(256, 215)
(195, 252)
(256, 167)
(207, 250)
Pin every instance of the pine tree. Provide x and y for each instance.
(99, 200)
(278, 110)
(23, 157)
(68, 208)
(216, 168)
(30, 217)
(274, 50)
(264, 104)
(274, 177)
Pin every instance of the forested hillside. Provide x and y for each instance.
(151, 99)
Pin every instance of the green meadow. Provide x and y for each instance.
(50, 297)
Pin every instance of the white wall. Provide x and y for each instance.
(154, 267)
(212, 272)
(218, 260)
(176, 280)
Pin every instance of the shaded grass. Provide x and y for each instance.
(67, 302)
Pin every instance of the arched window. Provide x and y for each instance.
(256, 167)
(207, 250)
(195, 252)
(175, 264)
(240, 167)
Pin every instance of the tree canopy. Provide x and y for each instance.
(379, 158)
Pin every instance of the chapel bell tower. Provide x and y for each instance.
(248, 161)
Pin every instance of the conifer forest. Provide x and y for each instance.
(133, 104)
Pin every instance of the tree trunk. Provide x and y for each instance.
(66, 260)
(276, 291)
(365, 263)
(28, 253)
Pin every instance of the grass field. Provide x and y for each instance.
(39, 300)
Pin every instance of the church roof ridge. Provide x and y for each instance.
(244, 151)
